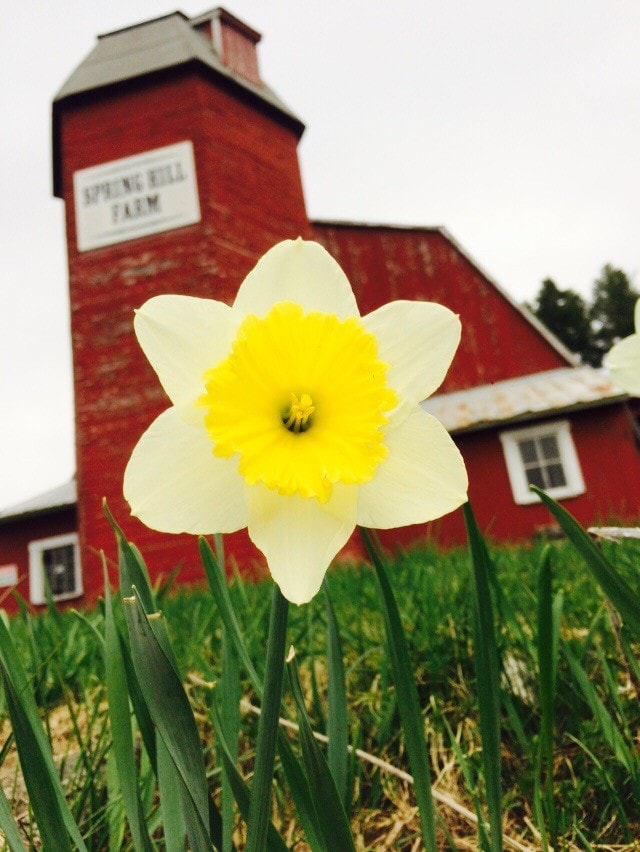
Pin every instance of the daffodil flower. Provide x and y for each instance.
(623, 360)
(294, 416)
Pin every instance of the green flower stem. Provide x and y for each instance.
(259, 811)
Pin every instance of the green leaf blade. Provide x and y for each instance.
(39, 770)
(487, 675)
(615, 587)
(337, 831)
(8, 826)
(268, 727)
(172, 714)
(120, 721)
(338, 714)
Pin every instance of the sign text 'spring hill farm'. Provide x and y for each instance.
(136, 196)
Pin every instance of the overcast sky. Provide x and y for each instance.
(514, 124)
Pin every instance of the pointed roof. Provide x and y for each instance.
(171, 41)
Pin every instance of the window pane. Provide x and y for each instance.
(528, 451)
(59, 565)
(549, 447)
(534, 477)
(556, 476)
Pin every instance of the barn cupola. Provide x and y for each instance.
(234, 42)
(178, 168)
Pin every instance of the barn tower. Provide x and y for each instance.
(178, 168)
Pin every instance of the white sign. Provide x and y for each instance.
(8, 575)
(136, 196)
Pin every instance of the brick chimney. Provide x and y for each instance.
(234, 42)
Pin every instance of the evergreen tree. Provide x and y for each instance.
(611, 311)
(589, 330)
(565, 313)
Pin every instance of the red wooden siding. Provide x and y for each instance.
(238, 47)
(15, 536)
(251, 197)
(394, 263)
(610, 464)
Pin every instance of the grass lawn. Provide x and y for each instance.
(594, 797)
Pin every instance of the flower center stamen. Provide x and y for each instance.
(296, 418)
(330, 430)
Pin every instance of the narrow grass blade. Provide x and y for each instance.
(169, 791)
(52, 609)
(300, 792)
(547, 669)
(316, 701)
(328, 802)
(615, 587)
(143, 717)
(407, 696)
(230, 695)
(241, 791)
(538, 813)
(172, 714)
(239, 586)
(630, 657)
(116, 817)
(605, 720)
(606, 781)
(120, 720)
(612, 696)
(8, 826)
(163, 586)
(41, 778)
(93, 630)
(463, 763)
(338, 714)
(220, 590)
(516, 722)
(488, 682)
(131, 567)
(268, 726)
(587, 846)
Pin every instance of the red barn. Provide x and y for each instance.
(178, 168)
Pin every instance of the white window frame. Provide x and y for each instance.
(561, 429)
(36, 567)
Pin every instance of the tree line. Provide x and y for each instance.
(589, 328)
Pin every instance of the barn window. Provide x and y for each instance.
(58, 559)
(542, 455)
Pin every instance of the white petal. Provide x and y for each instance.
(301, 272)
(422, 478)
(300, 536)
(175, 484)
(418, 340)
(623, 362)
(182, 336)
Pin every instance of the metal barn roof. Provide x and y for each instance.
(61, 497)
(154, 45)
(547, 393)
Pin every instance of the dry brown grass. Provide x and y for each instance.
(394, 825)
